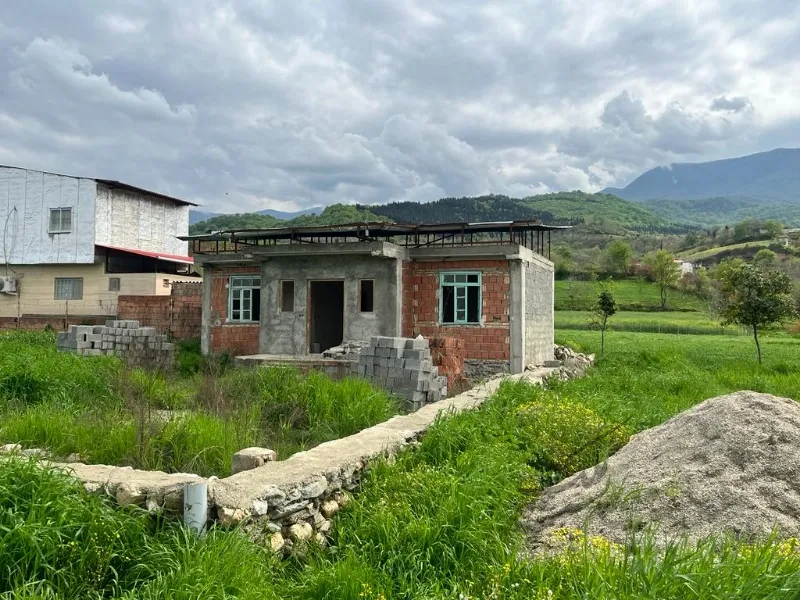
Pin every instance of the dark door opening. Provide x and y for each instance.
(326, 317)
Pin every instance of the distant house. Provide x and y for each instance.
(686, 267)
(72, 245)
(302, 290)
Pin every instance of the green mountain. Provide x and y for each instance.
(725, 211)
(332, 215)
(596, 212)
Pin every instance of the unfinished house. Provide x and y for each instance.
(302, 290)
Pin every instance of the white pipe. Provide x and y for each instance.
(195, 506)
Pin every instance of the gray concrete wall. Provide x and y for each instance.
(538, 299)
(287, 332)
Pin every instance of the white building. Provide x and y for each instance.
(71, 245)
(686, 267)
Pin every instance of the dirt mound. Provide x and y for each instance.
(730, 464)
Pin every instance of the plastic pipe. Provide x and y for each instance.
(195, 507)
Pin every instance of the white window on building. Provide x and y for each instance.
(460, 298)
(69, 288)
(60, 220)
(244, 299)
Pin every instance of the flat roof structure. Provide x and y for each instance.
(531, 234)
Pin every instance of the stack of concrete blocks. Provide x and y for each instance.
(403, 367)
(139, 346)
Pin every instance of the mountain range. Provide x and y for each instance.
(771, 176)
(196, 216)
(669, 198)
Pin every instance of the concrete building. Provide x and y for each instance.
(71, 245)
(297, 291)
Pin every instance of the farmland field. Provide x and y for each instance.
(441, 521)
(650, 322)
(630, 294)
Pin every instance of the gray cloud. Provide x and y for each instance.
(735, 104)
(245, 104)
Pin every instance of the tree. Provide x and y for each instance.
(665, 272)
(755, 298)
(772, 229)
(764, 259)
(618, 257)
(604, 308)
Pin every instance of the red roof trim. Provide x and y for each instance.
(157, 255)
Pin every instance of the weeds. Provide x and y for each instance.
(93, 407)
(441, 520)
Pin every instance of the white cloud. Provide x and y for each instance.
(254, 103)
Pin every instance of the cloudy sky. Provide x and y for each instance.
(251, 104)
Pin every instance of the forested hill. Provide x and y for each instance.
(562, 208)
(332, 215)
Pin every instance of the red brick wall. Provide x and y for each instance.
(178, 314)
(235, 338)
(489, 341)
(448, 354)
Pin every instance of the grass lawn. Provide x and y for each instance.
(441, 520)
(630, 294)
(650, 322)
(712, 252)
(108, 414)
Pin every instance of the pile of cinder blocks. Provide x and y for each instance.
(404, 367)
(140, 346)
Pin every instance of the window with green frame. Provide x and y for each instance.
(460, 297)
(244, 299)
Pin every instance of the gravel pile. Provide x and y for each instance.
(730, 464)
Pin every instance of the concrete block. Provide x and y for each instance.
(375, 341)
(412, 364)
(251, 458)
(426, 366)
(416, 354)
(416, 344)
(149, 330)
(82, 345)
(393, 342)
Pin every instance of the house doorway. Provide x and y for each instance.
(326, 315)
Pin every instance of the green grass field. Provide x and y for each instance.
(107, 414)
(630, 294)
(650, 322)
(439, 522)
(712, 252)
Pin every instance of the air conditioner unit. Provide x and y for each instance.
(8, 285)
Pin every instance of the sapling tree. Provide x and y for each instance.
(754, 297)
(604, 308)
(665, 270)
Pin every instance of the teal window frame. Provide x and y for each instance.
(461, 281)
(240, 288)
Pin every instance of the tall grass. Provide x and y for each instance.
(93, 407)
(441, 520)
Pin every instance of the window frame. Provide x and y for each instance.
(234, 287)
(61, 229)
(361, 296)
(456, 285)
(72, 289)
(284, 296)
(114, 284)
